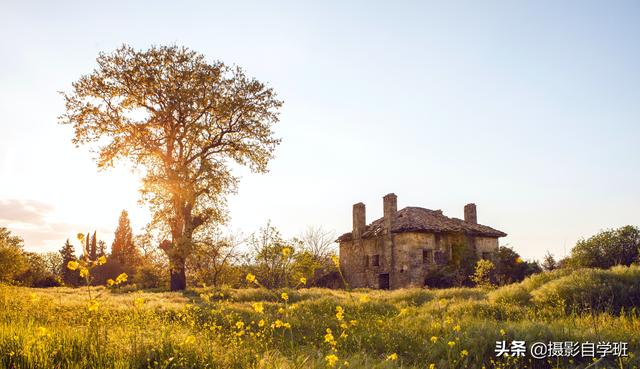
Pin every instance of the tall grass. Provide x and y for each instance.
(258, 328)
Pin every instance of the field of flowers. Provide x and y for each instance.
(118, 327)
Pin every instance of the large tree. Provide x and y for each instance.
(182, 120)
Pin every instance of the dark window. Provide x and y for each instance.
(486, 255)
(376, 260)
(440, 258)
(427, 256)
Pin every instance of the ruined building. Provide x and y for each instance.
(399, 249)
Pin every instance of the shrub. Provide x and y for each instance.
(593, 290)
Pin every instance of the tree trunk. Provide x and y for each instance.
(178, 277)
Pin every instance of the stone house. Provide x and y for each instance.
(399, 249)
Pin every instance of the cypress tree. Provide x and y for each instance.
(93, 250)
(70, 277)
(123, 250)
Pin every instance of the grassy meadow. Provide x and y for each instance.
(102, 327)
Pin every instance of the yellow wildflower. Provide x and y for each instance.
(110, 282)
(432, 366)
(278, 323)
(331, 360)
(42, 331)
(189, 340)
(284, 296)
(286, 251)
(335, 260)
(121, 278)
(502, 332)
(457, 328)
(258, 307)
(73, 265)
(138, 302)
(33, 297)
(261, 323)
(250, 278)
(464, 353)
(393, 357)
(328, 338)
(84, 272)
(451, 343)
(339, 312)
(353, 322)
(434, 339)
(364, 298)
(303, 280)
(102, 260)
(93, 305)
(239, 324)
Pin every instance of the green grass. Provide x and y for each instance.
(220, 328)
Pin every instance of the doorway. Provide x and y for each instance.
(383, 281)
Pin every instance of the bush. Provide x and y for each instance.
(150, 276)
(593, 290)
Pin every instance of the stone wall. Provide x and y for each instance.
(486, 244)
(416, 252)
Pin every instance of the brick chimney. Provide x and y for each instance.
(470, 213)
(359, 219)
(390, 207)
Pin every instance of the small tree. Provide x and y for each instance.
(273, 257)
(483, 273)
(510, 267)
(213, 255)
(13, 261)
(315, 256)
(549, 263)
(68, 253)
(123, 250)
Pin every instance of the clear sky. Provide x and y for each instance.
(530, 109)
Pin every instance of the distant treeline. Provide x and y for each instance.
(309, 260)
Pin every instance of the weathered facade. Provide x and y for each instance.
(399, 249)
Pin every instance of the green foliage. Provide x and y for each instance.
(511, 268)
(150, 276)
(13, 261)
(463, 258)
(593, 290)
(37, 274)
(607, 248)
(483, 272)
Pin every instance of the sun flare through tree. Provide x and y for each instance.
(182, 121)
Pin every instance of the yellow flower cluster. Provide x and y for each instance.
(120, 279)
(331, 360)
(258, 307)
(339, 313)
